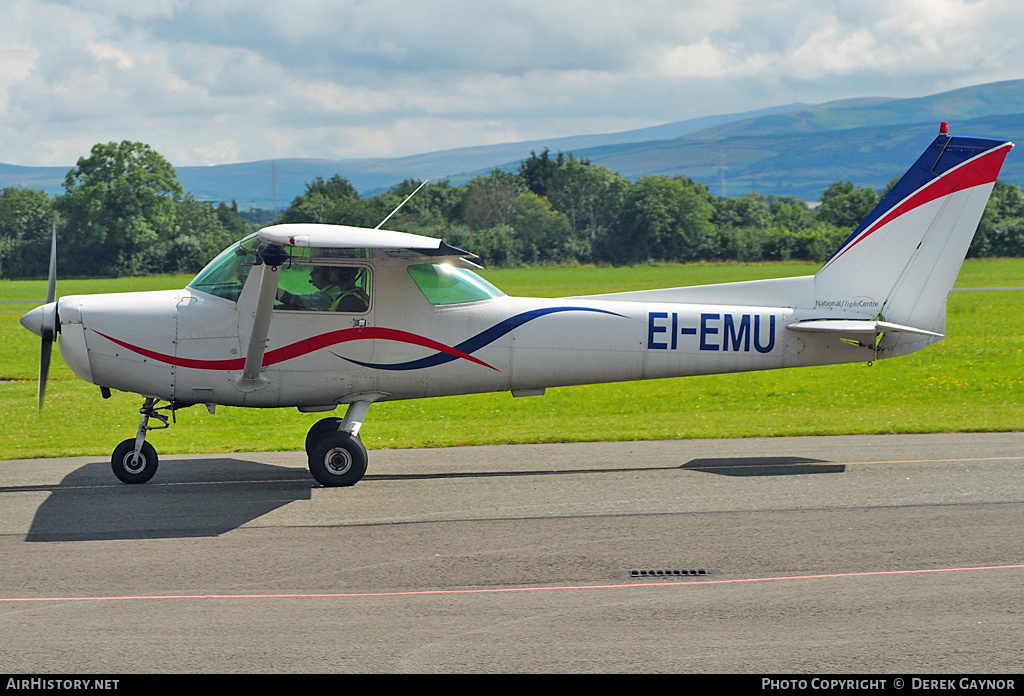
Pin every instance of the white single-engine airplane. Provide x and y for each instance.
(312, 316)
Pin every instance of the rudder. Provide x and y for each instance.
(901, 262)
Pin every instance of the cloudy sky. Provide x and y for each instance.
(219, 81)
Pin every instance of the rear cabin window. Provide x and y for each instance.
(444, 284)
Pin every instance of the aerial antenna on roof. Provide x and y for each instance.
(402, 203)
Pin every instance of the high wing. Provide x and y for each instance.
(308, 234)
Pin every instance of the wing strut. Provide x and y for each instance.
(269, 268)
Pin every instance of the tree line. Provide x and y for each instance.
(123, 212)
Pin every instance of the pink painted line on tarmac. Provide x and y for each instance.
(504, 589)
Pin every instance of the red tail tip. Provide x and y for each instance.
(944, 128)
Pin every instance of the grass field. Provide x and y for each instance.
(972, 381)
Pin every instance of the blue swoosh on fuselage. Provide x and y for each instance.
(475, 343)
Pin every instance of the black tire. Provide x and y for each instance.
(319, 429)
(124, 469)
(338, 459)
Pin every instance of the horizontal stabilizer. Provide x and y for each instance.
(857, 326)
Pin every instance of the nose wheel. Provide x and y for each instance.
(132, 467)
(135, 460)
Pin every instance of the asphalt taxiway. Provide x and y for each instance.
(875, 554)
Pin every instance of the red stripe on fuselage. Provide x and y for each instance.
(232, 364)
(303, 347)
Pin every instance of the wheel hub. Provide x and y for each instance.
(133, 465)
(338, 461)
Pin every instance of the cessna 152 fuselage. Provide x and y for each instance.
(312, 316)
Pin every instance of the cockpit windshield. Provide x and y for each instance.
(226, 274)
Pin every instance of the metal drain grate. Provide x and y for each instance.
(670, 573)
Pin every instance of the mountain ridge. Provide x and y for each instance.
(792, 149)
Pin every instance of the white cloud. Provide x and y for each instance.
(235, 80)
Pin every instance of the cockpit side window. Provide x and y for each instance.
(324, 288)
(444, 284)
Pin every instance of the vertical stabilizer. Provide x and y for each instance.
(901, 263)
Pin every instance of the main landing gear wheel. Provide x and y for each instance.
(129, 469)
(319, 429)
(338, 459)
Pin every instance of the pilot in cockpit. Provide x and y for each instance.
(338, 289)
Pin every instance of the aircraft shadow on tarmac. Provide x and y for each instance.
(192, 498)
(208, 497)
(725, 466)
(763, 466)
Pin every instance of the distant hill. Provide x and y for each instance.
(802, 164)
(793, 149)
(49, 179)
(800, 152)
(253, 181)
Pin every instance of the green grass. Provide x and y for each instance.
(972, 381)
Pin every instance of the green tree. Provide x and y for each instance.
(543, 232)
(26, 222)
(491, 200)
(538, 171)
(846, 205)
(414, 214)
(233, 220)
(430, 211)
(496, 246)
(663, 219)
(792, 213)
(440, 202)
(592, 197)
(742, 211)
(1001, 230)
(119, 205)
(201, 232)
(333, 202)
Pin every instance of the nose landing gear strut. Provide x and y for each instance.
(135, 460)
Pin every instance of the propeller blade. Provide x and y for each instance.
(44, 368)
(49, 336)
(51, 282)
